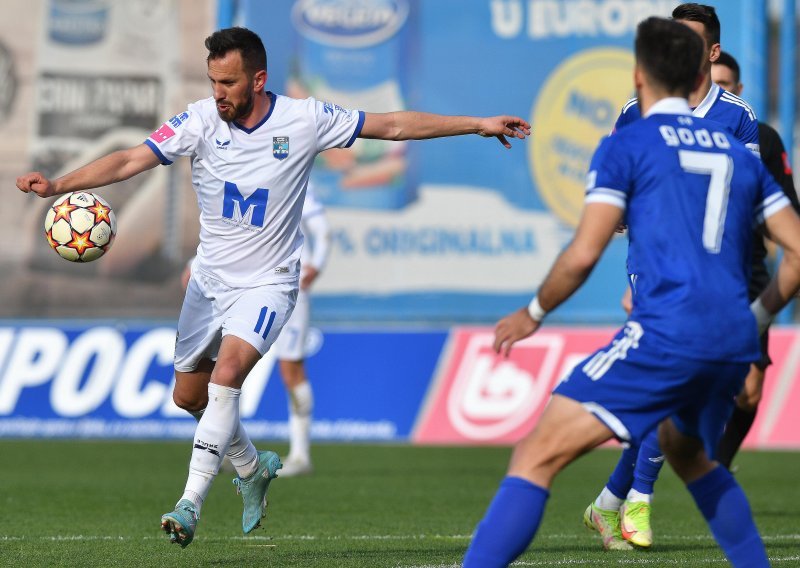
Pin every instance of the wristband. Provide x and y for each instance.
(535, 310)
(762, 315)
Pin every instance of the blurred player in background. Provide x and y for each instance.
(244, 282)
(690, 194)
(621, 512)
(291, 344)
(725, 73)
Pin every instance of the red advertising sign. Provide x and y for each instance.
(479, 397)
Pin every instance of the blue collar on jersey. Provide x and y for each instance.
(272, 98)
(669, 105)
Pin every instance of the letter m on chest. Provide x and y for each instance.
(250, 211)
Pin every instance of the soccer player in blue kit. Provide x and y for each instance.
(621, 512)
(251, 153)
(689, 193)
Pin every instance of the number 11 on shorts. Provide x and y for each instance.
(260, 323)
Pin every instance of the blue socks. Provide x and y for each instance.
(509, 524)
(724, 506)
(648, 464)
(621, 478)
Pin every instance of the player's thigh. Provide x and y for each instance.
(565, 431)
(235, 360)
(199, 332)
(709, 402)
(291, 343)
(685, 454)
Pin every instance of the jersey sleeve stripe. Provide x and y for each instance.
(771, 205)
(606, 195)
(359, 126)
(739, 103)
(157, 152)
(629, 104)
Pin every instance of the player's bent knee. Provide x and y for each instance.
(190, 402)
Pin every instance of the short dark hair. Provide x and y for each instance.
(246, 42)
(669, 53)
(730, 62)
(702, 13)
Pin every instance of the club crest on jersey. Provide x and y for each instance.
(280, 147)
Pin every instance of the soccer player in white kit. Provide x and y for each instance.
(291, 344)
(251, 153)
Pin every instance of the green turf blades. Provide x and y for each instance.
(367, 506)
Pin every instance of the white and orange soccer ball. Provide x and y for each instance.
(80, 226)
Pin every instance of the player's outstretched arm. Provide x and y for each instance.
(784, 229)
(570, 270)
(114, 167)
(410, 125)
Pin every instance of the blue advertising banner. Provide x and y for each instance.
(462, 229)
(115, 381)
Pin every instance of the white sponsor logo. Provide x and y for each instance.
(97, 367)
(492, 397)
(349, 23)
(573, 18)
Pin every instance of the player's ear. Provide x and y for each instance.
(713, 55)
(259, 80)
(738, 89)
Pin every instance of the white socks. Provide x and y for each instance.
(637, 497)
(608, 501)
(218, 429)
(301, 404)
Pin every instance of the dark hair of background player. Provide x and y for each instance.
(702, 13)
(670, 54)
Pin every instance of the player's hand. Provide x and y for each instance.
(309, 275)
(512, 328)
(37, 183)
(627, 301)
(502, 126)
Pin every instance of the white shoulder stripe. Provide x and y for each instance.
(740, 103)
(629, 104)
(607, 195)
(773, 207)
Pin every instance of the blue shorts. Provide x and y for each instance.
(632, 385)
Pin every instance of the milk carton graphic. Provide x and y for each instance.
(354, 53)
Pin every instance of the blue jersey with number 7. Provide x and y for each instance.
(691, 195)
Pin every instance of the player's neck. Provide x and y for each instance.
(697, 96)
(261, 106)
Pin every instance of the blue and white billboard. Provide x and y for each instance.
(462, 229)
(115, 381)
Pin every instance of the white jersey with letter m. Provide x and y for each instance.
(251, 182)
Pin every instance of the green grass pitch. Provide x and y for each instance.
(72, 503)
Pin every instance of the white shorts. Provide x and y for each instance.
(291, 344)
(212, 310)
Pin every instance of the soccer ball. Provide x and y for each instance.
(80, 226)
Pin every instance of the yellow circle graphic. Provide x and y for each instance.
(577, 106)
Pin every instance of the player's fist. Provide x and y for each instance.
(512, 328)
(502, 126)
(37, 183)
